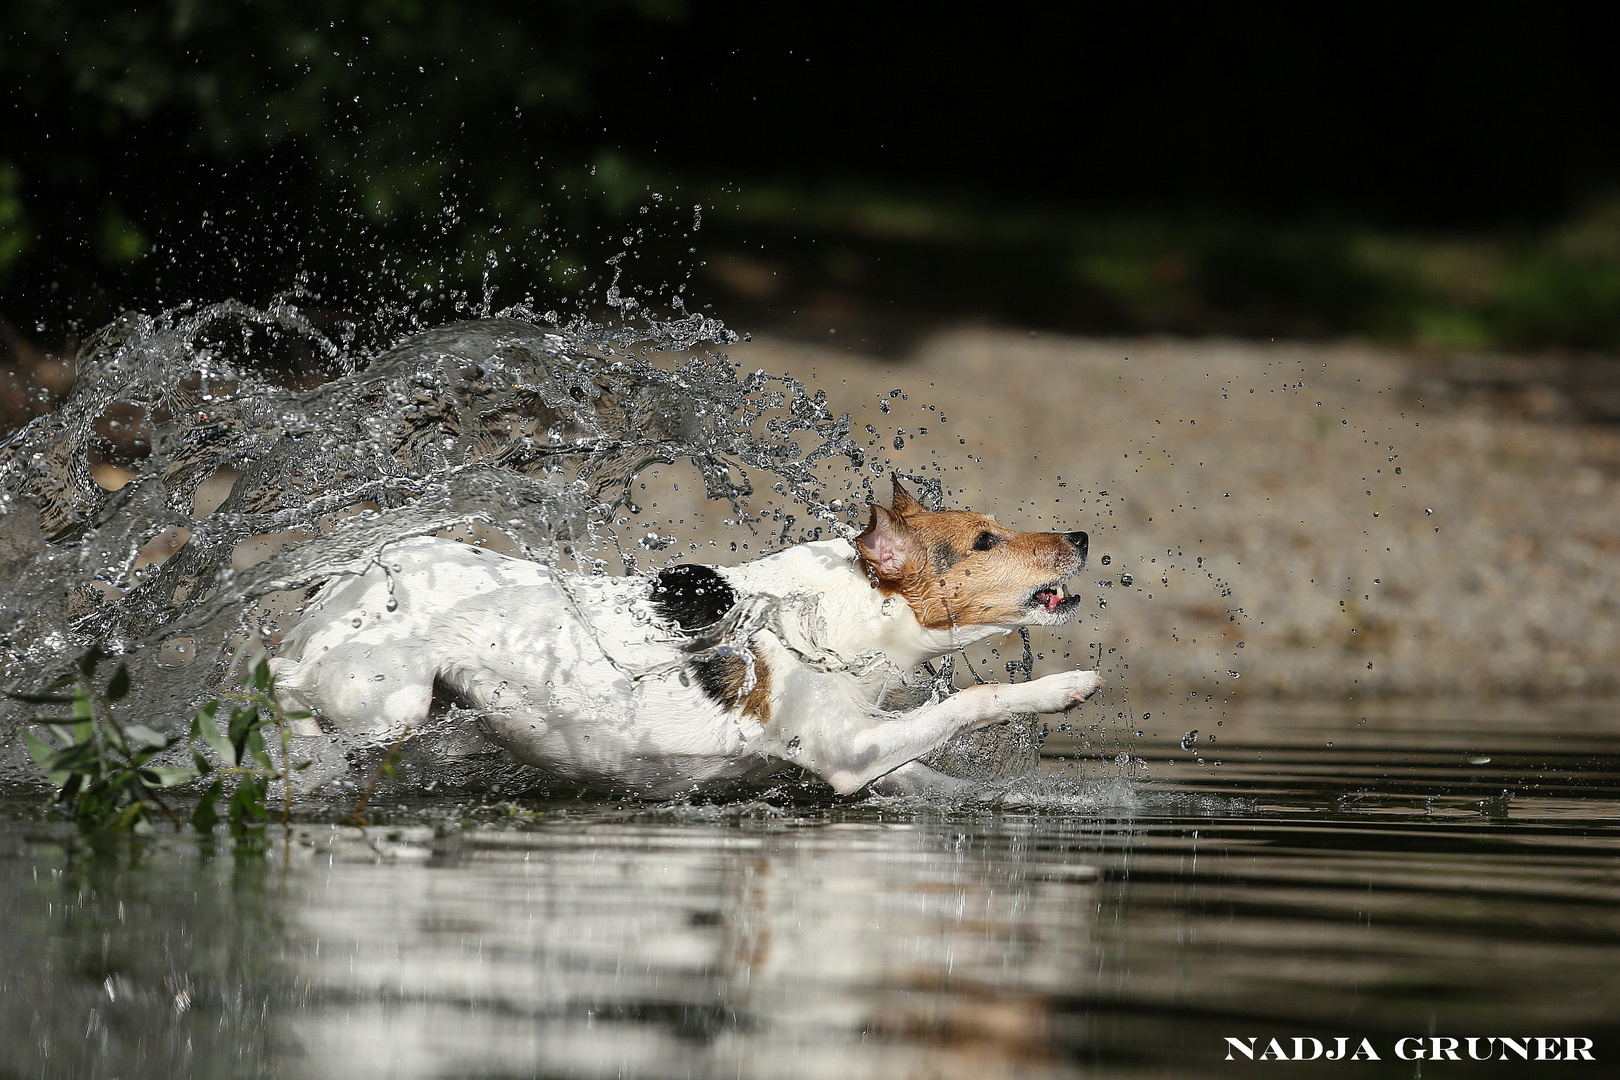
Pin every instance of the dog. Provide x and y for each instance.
(695, 676)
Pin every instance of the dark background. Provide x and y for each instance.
(1425, 115)
(1434, 175)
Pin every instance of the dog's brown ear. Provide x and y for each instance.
(904, 504)
(886, 545)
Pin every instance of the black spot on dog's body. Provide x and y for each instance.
(692, 597)
(943, 556)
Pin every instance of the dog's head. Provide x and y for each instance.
(960, 569)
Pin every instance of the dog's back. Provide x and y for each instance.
(550, 660)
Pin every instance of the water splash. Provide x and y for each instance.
(192, 487)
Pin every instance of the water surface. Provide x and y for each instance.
(1432, 872)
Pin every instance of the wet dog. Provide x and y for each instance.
(695, 675)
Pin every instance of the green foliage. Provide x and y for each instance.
(377, 152)
(1191, 273)
(15, 231)
(102, 765)
(422, 135)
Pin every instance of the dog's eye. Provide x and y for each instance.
(986, 541)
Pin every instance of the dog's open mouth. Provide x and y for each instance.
(1053, 598)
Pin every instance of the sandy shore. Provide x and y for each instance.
(1297, 514)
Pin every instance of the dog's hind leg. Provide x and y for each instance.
(362, 686)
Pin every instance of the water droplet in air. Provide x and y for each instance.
(1188, 739)
(1126, 580)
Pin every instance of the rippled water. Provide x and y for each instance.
(1432, 872)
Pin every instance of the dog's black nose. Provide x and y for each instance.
(1079, 541)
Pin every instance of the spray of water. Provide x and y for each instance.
(238, 489)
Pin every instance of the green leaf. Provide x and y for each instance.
(243, 720)
(83, 708)
(168, 775)
(247, 811)
(262, 680)
(302, 765)
(256, 747)
(142, 736)
(115, 737)
(202, 762)
(89, 661)
(80, 757)
(44, 756)
(205, 817)
(204, 727)
(41, 751)
(118, 685)
(42, 699)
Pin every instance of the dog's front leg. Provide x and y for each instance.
(880, 746)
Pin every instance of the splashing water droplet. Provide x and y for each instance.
(544, 426)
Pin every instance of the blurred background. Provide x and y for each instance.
(1385, 229)
(1444, 176)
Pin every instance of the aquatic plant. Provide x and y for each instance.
(104, 767)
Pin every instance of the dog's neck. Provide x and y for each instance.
(907, 643)
(857, 617)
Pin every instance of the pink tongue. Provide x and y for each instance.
(1050, 599)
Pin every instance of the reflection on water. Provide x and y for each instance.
(1384, 887)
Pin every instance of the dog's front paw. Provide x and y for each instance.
(1054, 693)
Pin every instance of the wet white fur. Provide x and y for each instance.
(574, 673)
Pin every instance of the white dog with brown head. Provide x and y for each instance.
(694, 676)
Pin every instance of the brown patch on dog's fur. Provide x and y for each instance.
(723, 678)
(929, 558)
